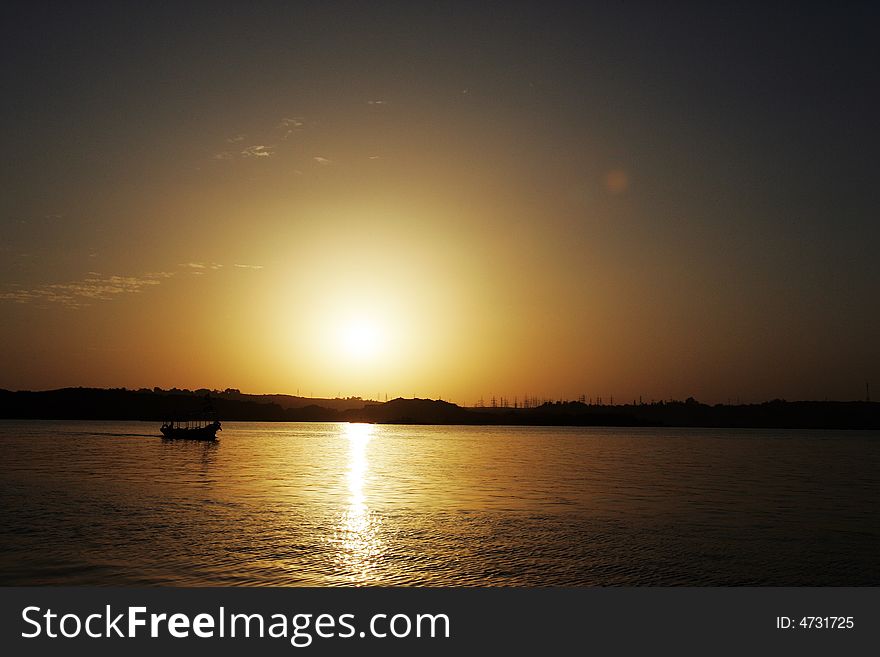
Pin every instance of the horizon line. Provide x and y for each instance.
(495, 402)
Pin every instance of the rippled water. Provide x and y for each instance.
(349, 504)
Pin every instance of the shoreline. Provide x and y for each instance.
(96, 404)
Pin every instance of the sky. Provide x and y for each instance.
(444, 200)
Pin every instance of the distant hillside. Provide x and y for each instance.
(690, 413)
(291, 401)
(416, 411)
(158, 405)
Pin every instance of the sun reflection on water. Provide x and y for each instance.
(358, 528)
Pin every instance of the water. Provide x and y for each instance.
(337, 504)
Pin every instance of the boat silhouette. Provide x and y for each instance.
(190, 429)
(200, 425)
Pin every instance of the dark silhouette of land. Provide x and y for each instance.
(232, 405)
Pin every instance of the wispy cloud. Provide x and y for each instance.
(201, 265)
(97, 287)
(286, 125)
(84, 292)
(292, 123)
(323, 161)
(258, 151)
(378, 103)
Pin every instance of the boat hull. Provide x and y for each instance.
(197, 433)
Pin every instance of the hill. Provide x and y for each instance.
(157, 405)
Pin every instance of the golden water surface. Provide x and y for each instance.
(331, 504)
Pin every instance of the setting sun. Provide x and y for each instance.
(360, 339)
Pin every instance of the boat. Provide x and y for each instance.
(190, 429)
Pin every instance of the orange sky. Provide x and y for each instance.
(514, 209)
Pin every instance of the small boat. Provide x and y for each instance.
(190, 429)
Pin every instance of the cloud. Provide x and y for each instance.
(374, 157)
(96, 287)
(288, 125)
(81, 293)
(258, 151)
(323, 161)
(202, 265)
(377, 102)
(292, 123)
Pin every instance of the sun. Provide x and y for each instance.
(360, 338)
